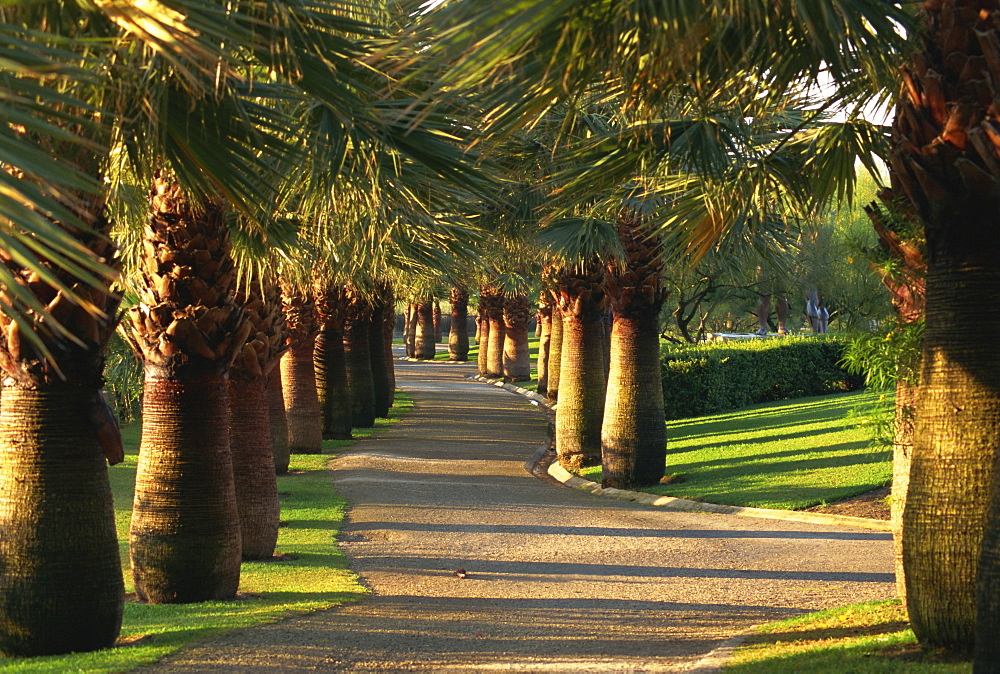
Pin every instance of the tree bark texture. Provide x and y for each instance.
(61, 586)
(298, 386)
(458, 335)
(253, 461)
(482, 339)
(633, 436)
(436, 318)
(278, 422)
(388, 329)
(946, 157)
(555, 356)
(410, 331)
(582, 383)
(184, 540)
(516, 358)
(544, 331)
(298, 372)
(357, 351)
(329, 362)
(376, 348)
(492, 301)
(425, 345)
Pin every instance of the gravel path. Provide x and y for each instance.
(557, 580)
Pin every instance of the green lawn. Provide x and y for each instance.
(789, 454)
(317, 577)
(863, 638)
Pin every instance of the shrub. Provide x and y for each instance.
(705, 378)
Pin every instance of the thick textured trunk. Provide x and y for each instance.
(277, 421)
(634, 436)
(298, 384)
(60, 570)
(458, 334)
(555, 357)
(425, 347)
(436, 318)
(902, 453)
(329, 361)
(483, 340)
(495, 346)
(380, 373)
(955, 444)
(184, 540)
(544, 332)
(410, 330)
(516, 359)
(581, 391)
(359, 361)
(253, 476)
(945, 158)
(388, 328)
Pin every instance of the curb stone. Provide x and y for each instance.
(575, 482)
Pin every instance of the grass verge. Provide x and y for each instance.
(315, 575)
(863, 638)
(787, 455)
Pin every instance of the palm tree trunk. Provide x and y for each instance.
(298, 384)
(436, 318)
(278, 422)
(425, 348)
(945, 157)
(492, 301)
(634, 436)
(60, 568)
(482, 339)
(379, 365)
(516, 360)
(253, 476)
(388, 330)
(330, 363)
(360, 382)
(185, 537)
(581, 372)
(544, 340)
(410, 330)
(458, 335)
(555, 356)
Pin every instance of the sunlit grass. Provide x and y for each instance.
(315, 577)
(788, 454)
(863, 638)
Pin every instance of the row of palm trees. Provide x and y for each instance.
(682, 125)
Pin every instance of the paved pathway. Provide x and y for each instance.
(558, 580)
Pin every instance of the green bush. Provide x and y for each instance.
(705, 378)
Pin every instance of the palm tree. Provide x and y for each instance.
(298, 373)
(491, 300)
(357, 350)
(945, 158)
(330, 362)
(249, 419)
(184, 540)
(424, 346)
(544, 339)
(458, 334)
(381, 358)
(582, 301)
(516, 316)
(633, 435)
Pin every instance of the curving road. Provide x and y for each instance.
(557, 580)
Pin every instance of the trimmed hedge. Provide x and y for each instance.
(705, 378)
